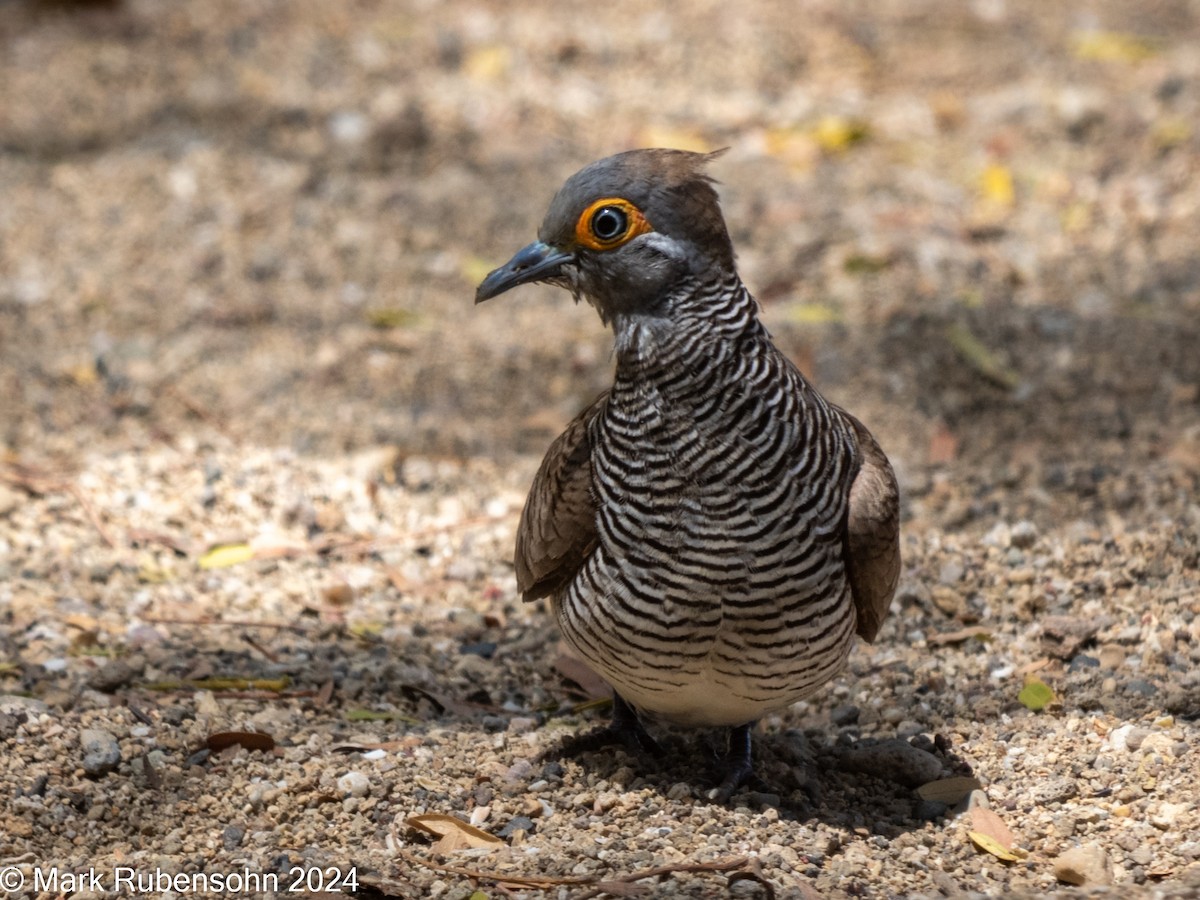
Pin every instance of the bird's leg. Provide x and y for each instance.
(625, 729)
(736, 767)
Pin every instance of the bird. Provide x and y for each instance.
(711, 533)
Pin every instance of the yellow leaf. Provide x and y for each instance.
(1112, 46)
(366, 629)
(371, 715)
(488, 63)
(796, 148)
(974, 352)
(391, 317)
(1036, 695)
(835, 134)
(1168, 133)
(226, 555)
(150, 572)
(84, 374)
(474, 269)
(989, 844)
(812, 314)
(996, 183)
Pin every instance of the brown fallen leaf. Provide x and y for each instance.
(987, 822)
(949, 790)
(976, 632)
(943, 445)
(453, 834)
(251, 740)
(574, 669)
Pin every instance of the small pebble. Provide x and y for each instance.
(1053, 790)
(844, 715)
(517, 823)
(1087, 864)
(1024, 534)
(232, 836)
(101, 753)
(354, 784)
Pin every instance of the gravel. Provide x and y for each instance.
(261, 459)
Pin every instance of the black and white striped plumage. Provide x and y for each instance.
(711, 532)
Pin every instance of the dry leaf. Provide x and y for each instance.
(251, 740)
(976, 632)
(977, 355)
(452, 833)
(835, 134)
(489, 63)
(949, 790)
(984, 821)
(989, 844)
(811, 314)
(1036, 695)
(943, 445)
(996, 184)
(1112, 46)
(594, 687)
(226, 555)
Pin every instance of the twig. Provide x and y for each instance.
(544, 882)
(237, 623)
(720, 865)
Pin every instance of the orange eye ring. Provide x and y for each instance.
(609, 223)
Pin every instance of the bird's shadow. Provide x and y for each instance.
(806, 774)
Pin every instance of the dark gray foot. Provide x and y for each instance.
(624, 730)
(736, 768)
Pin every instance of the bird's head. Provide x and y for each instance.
(623, 232)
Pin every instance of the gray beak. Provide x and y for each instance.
(537, 262)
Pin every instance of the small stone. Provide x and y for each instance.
(1167, 814)
(893, 760)
(1140, 687)
(951, 573)
(1128, 737)
(844, 715)
(1087, 864)
(679, 791)
(520, 770)
(486, 649)
(232, 836)
(101, 753)
(354, 784)
(948, 600)
(999, 535)
(517, 823)
(1023, 535)
(929, 810)
(1053, 790)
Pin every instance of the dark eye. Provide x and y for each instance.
(609, 223)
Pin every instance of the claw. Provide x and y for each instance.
(737, 764)
(625, 730)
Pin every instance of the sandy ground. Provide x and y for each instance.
(263, 459)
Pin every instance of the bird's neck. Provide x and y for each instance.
(697, 318)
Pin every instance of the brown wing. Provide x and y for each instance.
(871, 547)
(558, 525)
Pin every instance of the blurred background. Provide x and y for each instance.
(973, 222)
